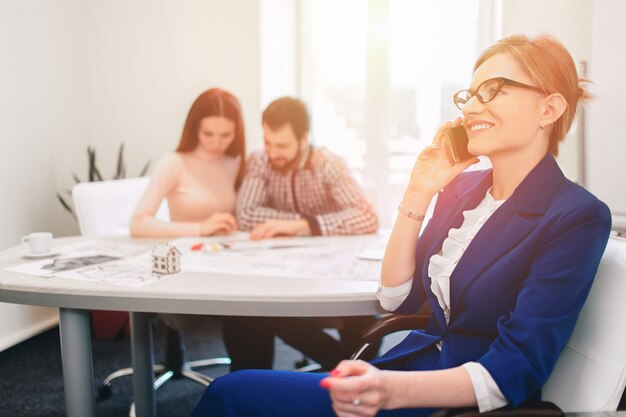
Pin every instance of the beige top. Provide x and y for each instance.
(195, 186)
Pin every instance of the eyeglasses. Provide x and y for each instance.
(488, 90)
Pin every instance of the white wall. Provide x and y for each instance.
(75, 73)
(42, 124)
(78, 73)
(43, 119)
(592, 31)
(606, 148)
(150, 59)
(279, 41)
(569, 21)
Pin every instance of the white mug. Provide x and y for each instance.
(40, 242)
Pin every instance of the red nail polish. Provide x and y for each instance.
(324, 383)
(334, 372)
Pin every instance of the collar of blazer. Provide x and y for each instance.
(505, 229)
(532, 195)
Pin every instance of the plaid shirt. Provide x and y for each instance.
(320, 190)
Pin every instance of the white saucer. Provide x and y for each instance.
(29, 254)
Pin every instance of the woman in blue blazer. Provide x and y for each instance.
(506, 261)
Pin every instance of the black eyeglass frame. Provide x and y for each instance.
(501, 83)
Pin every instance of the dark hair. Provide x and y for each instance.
(220, 103)
(287, 110)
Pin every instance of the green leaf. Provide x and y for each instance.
(97, 175)
(120, 172)
(65, 204)
(91, 153)
(93, 174)
(145, 169)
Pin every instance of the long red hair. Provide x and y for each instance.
(219, 103)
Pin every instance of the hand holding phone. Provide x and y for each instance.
(455, 143)
(437, 164)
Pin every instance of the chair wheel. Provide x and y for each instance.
(104, 392)
(302, 363)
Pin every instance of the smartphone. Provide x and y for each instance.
(455, 142)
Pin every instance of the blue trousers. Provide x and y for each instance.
(263, 393)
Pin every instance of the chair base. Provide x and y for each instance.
(164, 375)
(304, 365)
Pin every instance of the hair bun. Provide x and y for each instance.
(582, 93)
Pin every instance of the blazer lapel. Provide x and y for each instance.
(507, 226)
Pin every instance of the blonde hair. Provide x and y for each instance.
(551, 68)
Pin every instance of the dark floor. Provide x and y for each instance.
(31, 382)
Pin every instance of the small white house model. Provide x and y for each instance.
(165, 259)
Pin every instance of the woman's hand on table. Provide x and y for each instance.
(218, 223)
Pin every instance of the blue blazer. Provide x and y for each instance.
(518, 288)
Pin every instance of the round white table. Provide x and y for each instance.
(191, 293)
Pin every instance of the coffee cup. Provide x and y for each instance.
(39, 242)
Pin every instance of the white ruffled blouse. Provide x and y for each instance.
(440, 268)
(443, 263)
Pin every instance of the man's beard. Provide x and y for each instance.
(287, 166)
(291, 164)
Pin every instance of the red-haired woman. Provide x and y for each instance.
(199, 180)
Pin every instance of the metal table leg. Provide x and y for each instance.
(75, 331)
(143, 362)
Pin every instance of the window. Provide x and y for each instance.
(379, 76)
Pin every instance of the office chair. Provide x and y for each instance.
(590, 374)
(105, 208)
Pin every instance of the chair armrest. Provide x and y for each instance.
(397, 322)
(394, 323)
(536, 409)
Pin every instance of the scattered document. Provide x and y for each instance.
(131, 265)
(303, 257)
(134, 271)
(83, 259)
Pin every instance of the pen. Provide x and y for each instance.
(197, 246)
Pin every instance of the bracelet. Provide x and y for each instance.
(410, 214)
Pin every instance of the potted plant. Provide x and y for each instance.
(93, 174)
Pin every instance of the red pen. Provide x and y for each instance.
(197, 246)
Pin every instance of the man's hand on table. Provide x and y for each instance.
(272, 228)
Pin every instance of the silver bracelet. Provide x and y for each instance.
(410, 214)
